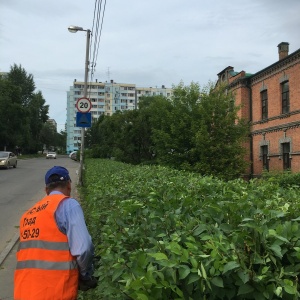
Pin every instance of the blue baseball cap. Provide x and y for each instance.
(62, 174)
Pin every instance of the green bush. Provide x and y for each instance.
(166, 234)
(284, 179)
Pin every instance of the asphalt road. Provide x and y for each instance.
(20, 188)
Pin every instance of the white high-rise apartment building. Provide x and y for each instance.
(106, 99)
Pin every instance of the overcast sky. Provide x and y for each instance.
(147, 43)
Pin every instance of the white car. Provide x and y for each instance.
(51, 155)
(73, 155)
(8, 159)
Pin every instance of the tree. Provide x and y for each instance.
(12, 115)
(48, 135)
(25, 83)
(61, 141)
(220, 136)
(23, 111)
(197, 130)
(173, 133)
(37, 116)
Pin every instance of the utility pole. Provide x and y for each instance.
(74, 29)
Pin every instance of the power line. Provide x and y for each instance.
(95, 38)
(98, 31)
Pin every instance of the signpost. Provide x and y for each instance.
(83, 105)
(83, 120)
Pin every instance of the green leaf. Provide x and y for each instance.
(199, 229)
(203, 271)
(245, 289)
(141, 296)
(277, 250)
(289, 287)
(158, 256)
(218, 281)
(179, 292)
(206, 237)
(161, 235)
(244, 276)
(175, 248)
(116, 274)
(247, 219)
(230, 266)
(184, 271)
(278, 291)
(192, 278)
(194, 262)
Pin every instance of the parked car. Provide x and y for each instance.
(73, 155)
(8, 159)
(70, 155)
(51, 155)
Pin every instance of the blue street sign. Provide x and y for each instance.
(83, 119)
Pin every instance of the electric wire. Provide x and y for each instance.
(100, 32)
(97, 13)
(95, 38)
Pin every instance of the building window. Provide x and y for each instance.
(286, 156)
(264, 152)
(285, 98)
(264, 104)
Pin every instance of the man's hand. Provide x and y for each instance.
(86, 284)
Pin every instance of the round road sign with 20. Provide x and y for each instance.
(83, 105)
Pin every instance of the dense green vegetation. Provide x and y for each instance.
(196, 130)
(167, 234)
(23, 115)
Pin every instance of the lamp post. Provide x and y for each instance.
(74, 29)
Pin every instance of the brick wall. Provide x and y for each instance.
(277, 128)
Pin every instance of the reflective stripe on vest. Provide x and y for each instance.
(43, 245)
(46, 265)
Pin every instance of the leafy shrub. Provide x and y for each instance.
(166, 234)
(284, 179)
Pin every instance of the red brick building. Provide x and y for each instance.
(270, 100)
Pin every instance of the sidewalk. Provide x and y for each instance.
(8, 256)
(7, 269)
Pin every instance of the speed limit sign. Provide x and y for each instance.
(83, 105)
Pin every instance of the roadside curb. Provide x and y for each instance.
(9, 247)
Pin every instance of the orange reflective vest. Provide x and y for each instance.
(45, 270)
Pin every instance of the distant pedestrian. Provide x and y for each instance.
(56, 251)
(17, 150)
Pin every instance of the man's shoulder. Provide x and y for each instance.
(69, 201)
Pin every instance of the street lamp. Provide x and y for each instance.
(74, 29)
